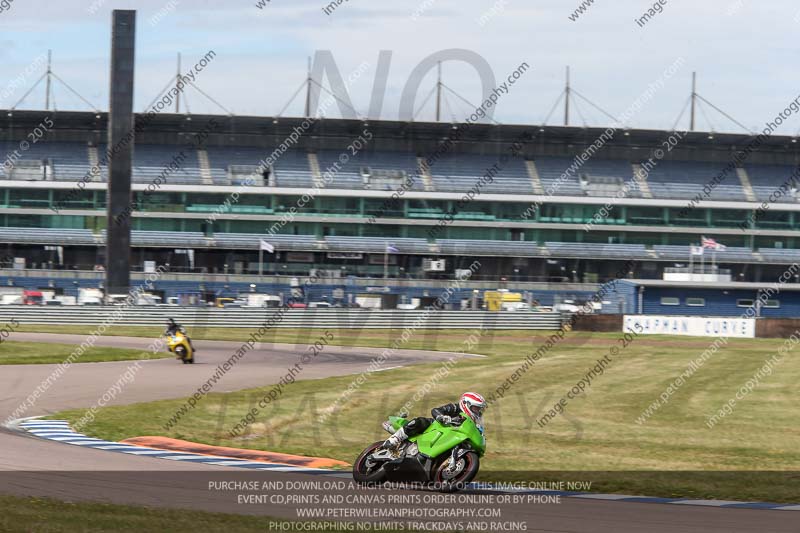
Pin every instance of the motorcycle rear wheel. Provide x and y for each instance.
(362, 473)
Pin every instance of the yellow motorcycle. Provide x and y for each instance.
(178, 343)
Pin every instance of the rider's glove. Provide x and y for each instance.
(444, 419)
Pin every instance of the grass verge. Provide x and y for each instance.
(29, 353)
(44, 515)
(752, 454)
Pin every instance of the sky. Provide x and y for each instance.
(742, 51)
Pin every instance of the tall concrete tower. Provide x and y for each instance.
(120, 152)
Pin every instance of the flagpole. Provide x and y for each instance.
(260, 260)
(703, 261)
(386, 260)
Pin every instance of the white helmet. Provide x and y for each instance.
(473, 405)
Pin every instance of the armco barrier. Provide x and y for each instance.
(292, 318)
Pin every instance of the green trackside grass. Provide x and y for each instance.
(752, 454)
(43, 515)
(424, 339)
(28, 353)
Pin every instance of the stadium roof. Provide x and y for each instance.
(733, 285)
(168, 128)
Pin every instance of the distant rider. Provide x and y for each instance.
(173, 328)
(471, 404)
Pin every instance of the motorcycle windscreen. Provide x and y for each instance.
(397, 422)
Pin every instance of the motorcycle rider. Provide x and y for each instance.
(471, 404)
(173, 327)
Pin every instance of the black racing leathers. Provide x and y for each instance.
(415, 426)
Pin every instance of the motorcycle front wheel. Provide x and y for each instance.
(366, 471)
(180, 353)
(449, 479)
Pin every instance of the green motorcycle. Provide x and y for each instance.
(448, 456)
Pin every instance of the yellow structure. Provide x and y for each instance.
(494, 300)
(220, 302)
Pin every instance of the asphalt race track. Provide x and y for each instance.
(36, 467)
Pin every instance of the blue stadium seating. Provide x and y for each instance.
(598, 250)
(686, 179)
(150, 160)
(551, 170)
(486, 247)
(780, 255)
(681, 253)
(70, 160)
(291, 168)
(349, 174)
(450, 173)
(767, 178)
(462, 172)
(46, 235)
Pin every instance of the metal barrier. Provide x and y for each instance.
(276, 317)
(90, 278)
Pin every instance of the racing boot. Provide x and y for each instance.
(395, 440)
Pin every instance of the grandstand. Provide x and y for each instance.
(322, 211)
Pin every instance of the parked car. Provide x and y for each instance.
(32, 298)
(515, 306)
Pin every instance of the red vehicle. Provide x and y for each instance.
(32, 298)
(297, 305)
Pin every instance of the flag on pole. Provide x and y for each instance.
(266, 246)
(390, 249)
(696, 250)
(708, 242)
